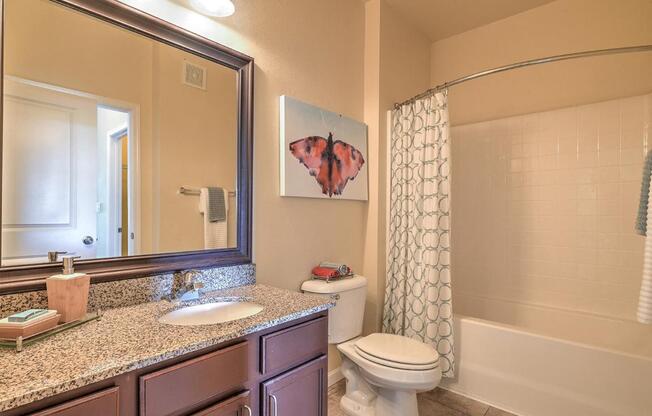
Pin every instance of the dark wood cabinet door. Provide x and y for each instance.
(234, 406)
(103, 403)
(301, 391)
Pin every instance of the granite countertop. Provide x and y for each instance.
(128, 338)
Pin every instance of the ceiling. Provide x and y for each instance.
(439, 19)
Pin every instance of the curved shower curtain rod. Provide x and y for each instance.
(555, 58)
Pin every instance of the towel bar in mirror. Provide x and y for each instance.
(193, 191)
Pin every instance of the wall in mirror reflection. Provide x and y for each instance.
(101, 128)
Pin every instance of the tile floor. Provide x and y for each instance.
(438, 402)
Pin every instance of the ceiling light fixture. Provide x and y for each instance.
(218, 8)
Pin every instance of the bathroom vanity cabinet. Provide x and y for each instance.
(275, 372)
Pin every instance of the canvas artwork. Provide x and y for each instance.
(323, 154)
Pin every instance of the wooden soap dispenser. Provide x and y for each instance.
(68, 292)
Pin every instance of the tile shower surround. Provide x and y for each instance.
(558, 192)
(135, 291)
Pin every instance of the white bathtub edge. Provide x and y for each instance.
(523, 373)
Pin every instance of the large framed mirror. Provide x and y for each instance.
(126, 141)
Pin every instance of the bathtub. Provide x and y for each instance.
(532, 374)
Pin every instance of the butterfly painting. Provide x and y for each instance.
(323, 154)
(332, 163)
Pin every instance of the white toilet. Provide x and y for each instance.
(383, 372)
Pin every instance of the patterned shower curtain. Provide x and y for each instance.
(418, 289)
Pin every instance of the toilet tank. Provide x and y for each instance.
(345, 319)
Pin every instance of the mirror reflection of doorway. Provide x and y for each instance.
(124, 194)
(113, 214)
(68, 165)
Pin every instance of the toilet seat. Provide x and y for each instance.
(388, 377)
(393, 364)
(396, 351)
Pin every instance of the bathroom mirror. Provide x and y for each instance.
(126, 141)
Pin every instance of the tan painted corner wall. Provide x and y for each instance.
(397, 66)
(313, 51)
(559, 27)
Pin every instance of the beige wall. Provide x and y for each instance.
(562, 26)
(397, 65)
(311, 50)
(51, 44)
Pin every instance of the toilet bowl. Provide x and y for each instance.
(384, 372)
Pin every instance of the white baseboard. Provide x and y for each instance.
(334, 376)
(445, 386)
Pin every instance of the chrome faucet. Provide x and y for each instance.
(185, 286)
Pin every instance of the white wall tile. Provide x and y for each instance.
(545, 206)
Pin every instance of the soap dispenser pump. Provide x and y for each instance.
(69, 265)
(68, 292)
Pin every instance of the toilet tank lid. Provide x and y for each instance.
(336, 286)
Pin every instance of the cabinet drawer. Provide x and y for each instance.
(293, 346)
(234, 406)
(104, 402)
(177, 388)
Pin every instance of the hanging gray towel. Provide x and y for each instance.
(641, 217)
(216, 205)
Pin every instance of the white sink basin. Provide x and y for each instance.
(211, 313)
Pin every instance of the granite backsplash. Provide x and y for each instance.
(135, 291)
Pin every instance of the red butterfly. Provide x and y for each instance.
(332, 163)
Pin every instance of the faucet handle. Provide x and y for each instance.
(187, 277)
(190, 275)
(185, 286)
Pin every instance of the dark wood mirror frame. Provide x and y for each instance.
(32, 277)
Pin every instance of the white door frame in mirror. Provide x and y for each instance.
(114, 177)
